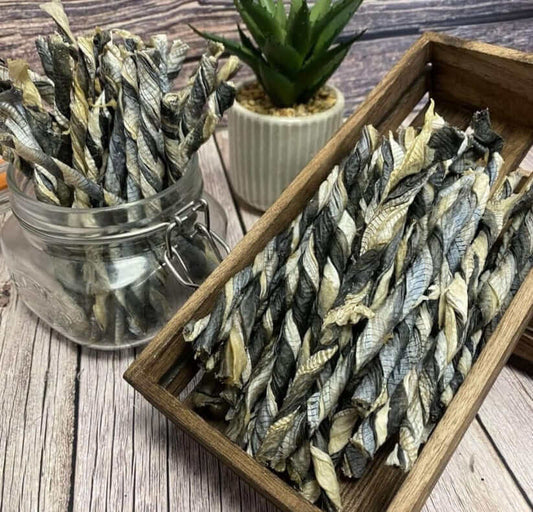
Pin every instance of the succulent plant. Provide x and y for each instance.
(296, 51)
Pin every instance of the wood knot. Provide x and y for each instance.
(5, 294)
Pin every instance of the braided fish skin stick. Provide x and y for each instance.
(296, 321)
(98, 125)
(493, 295)
(373, 385)
(182, 112)
(150, 145)
(386, 420)
(375, 429)
(62, 172)
(79, 118)
(203, 85)
(321, 403)
(179, 153)
(49, 184)
(309, 259)
(208, 332)
(131, 119)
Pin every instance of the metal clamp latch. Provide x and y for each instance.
(180, 228)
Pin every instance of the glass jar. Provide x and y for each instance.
(112, 277)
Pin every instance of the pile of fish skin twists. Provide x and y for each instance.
(357, 324)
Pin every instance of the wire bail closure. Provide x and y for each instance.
(179, 227)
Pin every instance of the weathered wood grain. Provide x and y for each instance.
(476, 479)
(37, 386)
(506, 415)
(369, 60)
(525, 347)
(22, 21)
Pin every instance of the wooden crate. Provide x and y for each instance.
(460, 76)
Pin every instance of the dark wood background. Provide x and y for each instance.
(392, 26)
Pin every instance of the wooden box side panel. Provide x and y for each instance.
(261, 478)
(524, 349)
(480, 75)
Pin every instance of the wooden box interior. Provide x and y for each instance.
(461, 77)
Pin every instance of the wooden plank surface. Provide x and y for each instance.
(506, 416)
(476, 479)
(22, 21)
(37, 388)
(74, 436)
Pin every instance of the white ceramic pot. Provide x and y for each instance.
(267, 152)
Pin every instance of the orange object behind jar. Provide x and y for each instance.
(3, 174)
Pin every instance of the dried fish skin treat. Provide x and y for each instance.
(268, 267)
(454, 320)
(310, 266)
(498, 287)
(330, 393)
(424, 264)
(415, 412)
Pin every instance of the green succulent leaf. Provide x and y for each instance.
(332, 23)
(269, 5)
(263, 21)
(295, 7)
(281, 90)
(299, 30)
(247, 43)
(290, 52)
(318, 70)
(280, 14)
(254, 29)
(284, 57)
(245, 54)
(319, 9)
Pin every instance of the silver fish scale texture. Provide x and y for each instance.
(97, 131)
(270, 270)
(363, 329)
(309, 270)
